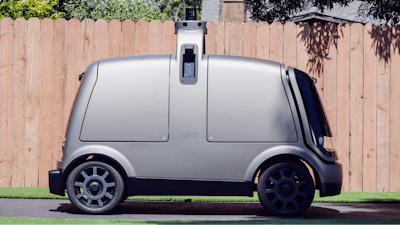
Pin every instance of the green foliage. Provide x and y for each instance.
(296, 220)
(99, 9)
(113, 9)
(176, 9)
(271, 10)
(344, 197)
(173, 9)
(29, 8)
(387, 11)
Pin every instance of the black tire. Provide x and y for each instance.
(95, 187)
(286, 189)
(124, 197)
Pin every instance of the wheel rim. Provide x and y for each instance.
(94, 187)
(286, 189)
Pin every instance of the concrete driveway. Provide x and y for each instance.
(150, 210)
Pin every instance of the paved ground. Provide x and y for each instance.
(146, 210)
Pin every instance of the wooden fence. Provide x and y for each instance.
(357, 68)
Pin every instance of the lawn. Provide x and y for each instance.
(23, 220)
(344, 197)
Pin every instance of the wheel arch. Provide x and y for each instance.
(283, 153)
(93, 157)
(284, 158)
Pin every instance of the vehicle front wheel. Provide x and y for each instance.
(95, 187)
(286, 189)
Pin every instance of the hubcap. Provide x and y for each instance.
(284, 192)
(97, 189)
(286, 189)
(94, 186)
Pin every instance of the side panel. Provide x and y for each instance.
(129, 101)
(247, 102)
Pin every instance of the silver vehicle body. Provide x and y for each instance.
(238, 116)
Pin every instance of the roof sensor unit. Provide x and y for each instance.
(190, 14)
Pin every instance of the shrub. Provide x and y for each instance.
(113, 9)
(175, 9)
(29, 8)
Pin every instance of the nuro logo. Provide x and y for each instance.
(187, 135)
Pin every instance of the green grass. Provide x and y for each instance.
(344, 197)
(24, 220)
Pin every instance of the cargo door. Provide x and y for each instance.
(247, 102)
(130, 101)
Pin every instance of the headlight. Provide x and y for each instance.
(321, 141)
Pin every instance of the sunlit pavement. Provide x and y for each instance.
(150, 210)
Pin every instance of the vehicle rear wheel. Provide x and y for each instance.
(286, 189)
(95, 187)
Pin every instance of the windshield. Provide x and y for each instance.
(321, 133)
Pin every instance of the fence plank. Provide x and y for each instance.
(59, 88)
(114, 38)
(128, 38)
(263, 40)
(395, 111)
(73, 64)
(32, 103)
(141, 37)
(155, 37)
(210, 39)
(227, 44)
(100, 39)
(303, 34)
(6, 71)
(343, 101)
(3, 122)
(383, 111)
(236, 39)
(369, 147)
(329, 87)
(169, 38)
(356, 107)
(46, 100)
(19, 103)
(249, 39)
(87, 31)
(289, 44)
(276, 42)
(317, 48)
(221, 27)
